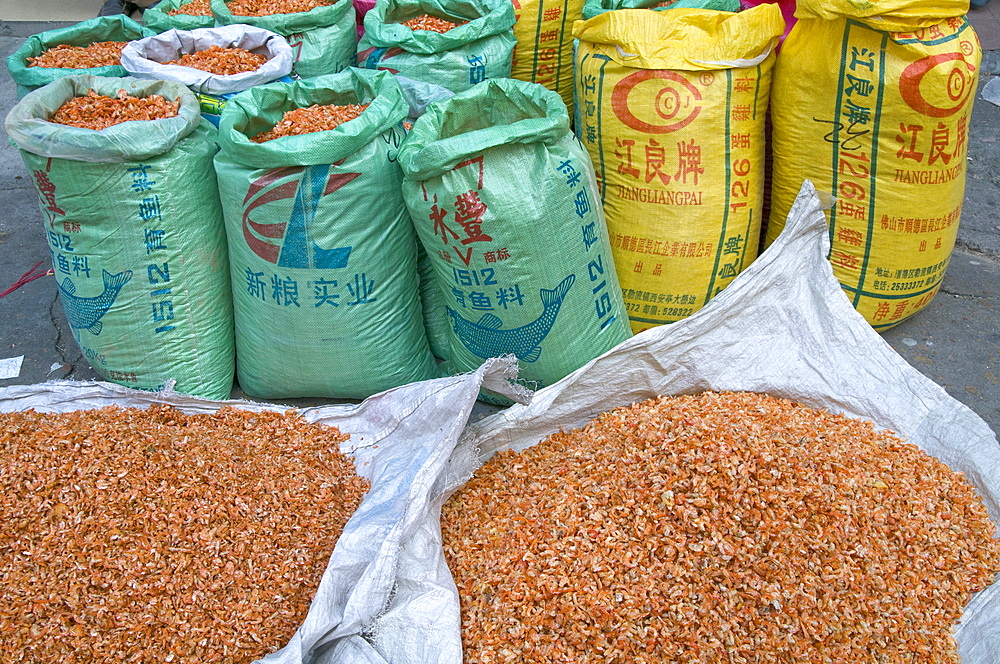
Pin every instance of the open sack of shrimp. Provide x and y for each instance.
(764, 481)
(220, 60)
(131, 211)
(160, 527)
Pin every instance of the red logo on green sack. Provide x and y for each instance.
(676, 103)
(290, 243)
(959, 76)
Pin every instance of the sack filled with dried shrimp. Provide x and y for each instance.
(89, 47)
(133, 219)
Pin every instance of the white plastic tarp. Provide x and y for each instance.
(400, 441)
(783, 327)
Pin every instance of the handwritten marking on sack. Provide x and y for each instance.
(295, 41)
(929, 151)
(47, 193)
(852, 134)
(676, 104)
(392, 138)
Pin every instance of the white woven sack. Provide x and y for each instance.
(144, 58)
(783, 327)
(400, 440)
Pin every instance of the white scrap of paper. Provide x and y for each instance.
(991, 91)
(11, 367)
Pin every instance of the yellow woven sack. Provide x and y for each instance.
(874, 107)
(544, 50)
(672, 108)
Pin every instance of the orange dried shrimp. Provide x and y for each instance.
(131, 535)
(431, 23)
(193, 8)
(97, 112)
(220, 60)
(98, 54)
(311, 119)
(268, 7)
(717, 528)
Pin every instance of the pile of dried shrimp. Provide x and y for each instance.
(94, 111)
(131, 535)
(431, 23)
(193, 8)
(98, 54)
(310, 119)
(716, 529)
(269, 7)
(222, 61)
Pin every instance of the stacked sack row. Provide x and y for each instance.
(335, 296)
(179, 247)
(871, 104)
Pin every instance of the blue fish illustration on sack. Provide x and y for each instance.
(486, 339)
(85, 313)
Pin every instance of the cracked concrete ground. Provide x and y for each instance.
(955, 341)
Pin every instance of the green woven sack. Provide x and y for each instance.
(134, 225)
(434, 305)
(506, 205)
(592, 8)
(458, 59)
(322, 249)
(158, 18)
(104, 28)
(324, 40)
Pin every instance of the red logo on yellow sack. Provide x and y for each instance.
(667, 103)
(920, 84)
